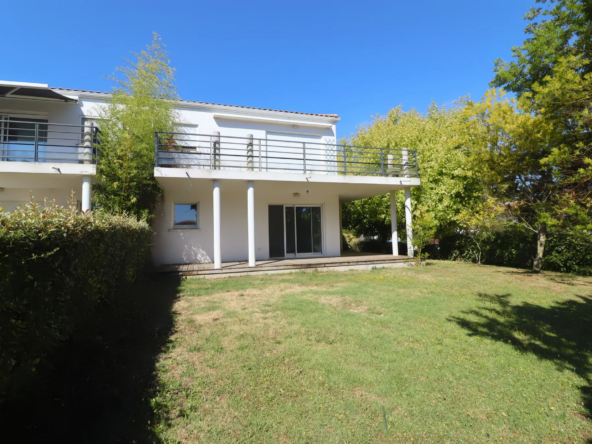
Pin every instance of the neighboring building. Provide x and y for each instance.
(239, 183)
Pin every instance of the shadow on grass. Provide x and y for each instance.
(98, 386)
(560, 333)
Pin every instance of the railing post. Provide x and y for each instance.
(87, 142)
(215, 151)
(155, 149)
(381, 162)
(259, 146)
(304, 156)
(344, 162)
(36, 142)
(250, 152)
(405, 156)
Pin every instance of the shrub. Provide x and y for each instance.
(56, 264)
(566, 250)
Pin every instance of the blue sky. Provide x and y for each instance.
(352, 58)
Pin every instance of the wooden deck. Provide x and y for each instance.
(347, 261)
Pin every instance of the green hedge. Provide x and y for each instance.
(566, 250)
(56, 264)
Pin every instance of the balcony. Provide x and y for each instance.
(216, 152)
(36, 140)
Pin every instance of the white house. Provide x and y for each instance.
(240, 183)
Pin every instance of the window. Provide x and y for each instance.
(186, 216)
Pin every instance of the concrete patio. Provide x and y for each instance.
(348, 261)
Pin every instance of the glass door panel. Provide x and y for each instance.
(303, 230)
(290, 230)
(317, 235)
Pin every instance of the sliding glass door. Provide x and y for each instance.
(302, 231)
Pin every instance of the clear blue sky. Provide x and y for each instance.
(353, 58)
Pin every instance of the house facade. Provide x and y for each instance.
(240, 183)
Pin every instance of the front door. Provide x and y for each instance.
(295, 230)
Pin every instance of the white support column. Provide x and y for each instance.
(217, 258)
(85, 193)
(395, 238)
(408, 222)
(251, 221)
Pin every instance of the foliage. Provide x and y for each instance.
(570, 251)
(552, 75)
(424, 230)
(352, 241)
(507, 147)
(142, 104)
(55, 265)
(562, 30)
(480, 224)
(565, 100)
(448, 183)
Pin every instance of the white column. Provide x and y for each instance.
(85, 193)
(251, 221)
(395, 237)
(408, 222)
(217, 258)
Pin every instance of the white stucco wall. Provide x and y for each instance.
(190, 246)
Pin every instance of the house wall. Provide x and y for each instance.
(191, 246)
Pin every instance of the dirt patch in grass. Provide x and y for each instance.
(343, 303)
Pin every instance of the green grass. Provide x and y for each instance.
(444, 353)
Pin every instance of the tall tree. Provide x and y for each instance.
(448, 185)
(552, 75)
(142, 103)
(508, 147)
(560, 29)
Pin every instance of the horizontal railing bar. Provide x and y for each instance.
(219, 139)
(46, 123)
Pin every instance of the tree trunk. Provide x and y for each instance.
(541, 239)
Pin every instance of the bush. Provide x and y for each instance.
(56, 264)
(566, 250)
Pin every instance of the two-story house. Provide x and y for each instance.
(240, 183)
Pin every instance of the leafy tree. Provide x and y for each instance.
(448, 183)
(424, 230)
(142, 103)
(508, 147)
(552, 76)
(563, 29)
(480, 224)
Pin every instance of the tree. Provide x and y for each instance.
(480, 224)
(508, 148)
(142, 103)
(448, 184)
(552, 76)
(564, 30)
(424, 230)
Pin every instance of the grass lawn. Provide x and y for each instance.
(444, 353)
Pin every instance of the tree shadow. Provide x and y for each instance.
(560, 333)
(98, 386)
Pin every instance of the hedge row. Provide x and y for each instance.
(56, 265)
(566, 250)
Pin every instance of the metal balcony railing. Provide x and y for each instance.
(32, 140)
(216, 152)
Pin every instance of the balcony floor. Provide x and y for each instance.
(348, 261)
